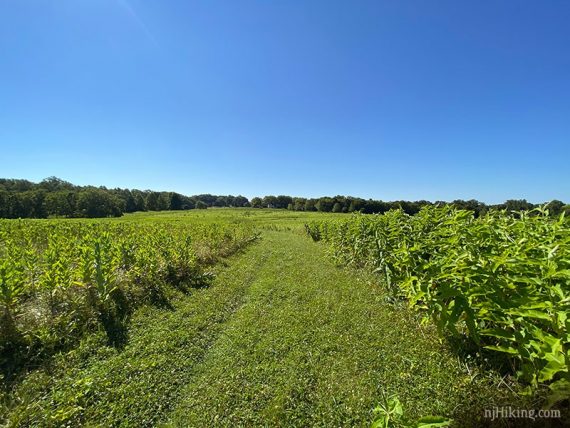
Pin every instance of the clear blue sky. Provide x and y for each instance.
(384, 99)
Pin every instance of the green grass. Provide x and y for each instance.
(317, 346)
(262, 218)
(282, 337)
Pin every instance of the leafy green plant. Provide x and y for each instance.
(60, 278)
(390, 412)
(11, 291)
(501, 280)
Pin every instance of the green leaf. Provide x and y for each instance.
(433, 422)
(499, 333)
(380, 422)
(395, 406)
(560, 391)
(507, 350)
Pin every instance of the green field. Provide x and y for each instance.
(227, 317)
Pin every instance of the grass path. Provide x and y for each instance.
(281, 338)
(314, 345)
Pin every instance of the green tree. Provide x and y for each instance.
(356, 205)
(310, 205)
(324, 205)
(4, 204)
(555, 207)
(139, 200)
(269, 201)
(54, 184)
(61, 203)
(175, 201)
(93, 203)
(221, 201)
(152, 202)
(256, 203)
(518, 205)
(283, 201)
(240, 201)
(299, 204)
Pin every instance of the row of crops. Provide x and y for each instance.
(501, 281)
(59, 279)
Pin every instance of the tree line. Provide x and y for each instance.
(347, 204)
(54, 197)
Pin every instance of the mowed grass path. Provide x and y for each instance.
(281, 338)
(315, 345)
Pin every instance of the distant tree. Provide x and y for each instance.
(221, 201)
(374, 207)
(269, 201)
(163, 201)
(470, 205)
(207, 199)
(54, 184)
(256, 202)
(128, 198)
(299, 204)
(152, 202)
(4, 204)
(175, 201)
(23, 204)
(518, 205)
(139, 200)
(56, 197)
(188, 203)
(61, 203)
(240, 201)
(356, 205)
(324, 205)
(409, 207)
(98, 203)
(15, 185)
(283, 201)
(555, 207)
(310, 205)
(343, 202)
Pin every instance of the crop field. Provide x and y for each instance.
(236, 317)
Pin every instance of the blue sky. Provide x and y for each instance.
(390, 100)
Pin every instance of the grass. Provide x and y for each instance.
(268, 219)
(282, 337)
(317, 346)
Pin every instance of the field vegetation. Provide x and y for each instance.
(234, 317)
(500, 281)
(60, 279)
